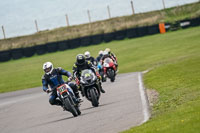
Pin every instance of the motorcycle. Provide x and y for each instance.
(90, 86)
(68, 99)
(109, 69)
(101, 72)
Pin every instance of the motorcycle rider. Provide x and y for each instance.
(81, 64)
(53, 78)
(108, 53)
(88, 57)
(99, 56)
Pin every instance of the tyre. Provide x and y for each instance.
(94, 98)
(112, 79)
(111, 74)
(78, 110)
(69, 106)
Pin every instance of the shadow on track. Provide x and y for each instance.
(100, 105)
(50, 122)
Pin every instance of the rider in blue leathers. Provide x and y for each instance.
(53, 78)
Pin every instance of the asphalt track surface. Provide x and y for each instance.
(121, 107)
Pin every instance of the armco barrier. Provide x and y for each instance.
(52, 47)
(74, 43)
(17, 53)
(63, 45)
(41, 49)
(108, 37)
(5, 56)
(120, 35)
(96, 39)
(131, 33)
(85, 41)
(29, 51)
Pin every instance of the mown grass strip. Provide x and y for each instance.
(133, 55)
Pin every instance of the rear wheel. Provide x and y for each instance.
(94, 98)
(70, 106)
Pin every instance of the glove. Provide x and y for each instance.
(70, 78)
(48, 91)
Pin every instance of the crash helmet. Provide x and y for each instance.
(101, 52)
(105, 53)
(48, 67)
(87, 54)
(108, 50)
(80, 59)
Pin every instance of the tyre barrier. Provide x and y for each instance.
(41, 49)
(154, 29)
(29, 51)
(185, 24)
(108, 37)
(52, 47)
(5, 55)
(63, 45)
(142, 31)
(94, 39)
(97, 39)
(74, 43)
(85, 41)
(131, 33)
(195, 22)
(120, 35)
(17, 53)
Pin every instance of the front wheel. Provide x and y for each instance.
(70, 106)
(111, 74)
(94, 98)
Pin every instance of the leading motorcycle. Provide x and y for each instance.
(68, 99)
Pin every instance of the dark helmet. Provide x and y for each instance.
(80, 59)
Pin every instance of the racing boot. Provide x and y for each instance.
(79, 100)
(101, 89)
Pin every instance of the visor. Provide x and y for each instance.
(47, 69)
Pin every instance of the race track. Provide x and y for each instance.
(123, 106)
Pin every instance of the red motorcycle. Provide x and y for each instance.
(109, 68)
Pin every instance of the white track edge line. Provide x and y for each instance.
(143, 96)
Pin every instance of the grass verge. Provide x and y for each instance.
(178, 108)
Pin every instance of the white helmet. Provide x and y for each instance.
(87, 54)
(48, 67)
(105, 52)
(101, 52)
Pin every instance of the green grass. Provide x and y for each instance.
(178, 108)
(133, 55)
(174, 60)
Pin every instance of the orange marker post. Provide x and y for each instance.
(162, 28)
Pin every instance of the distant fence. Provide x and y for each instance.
(92, 15)
(94, 39)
